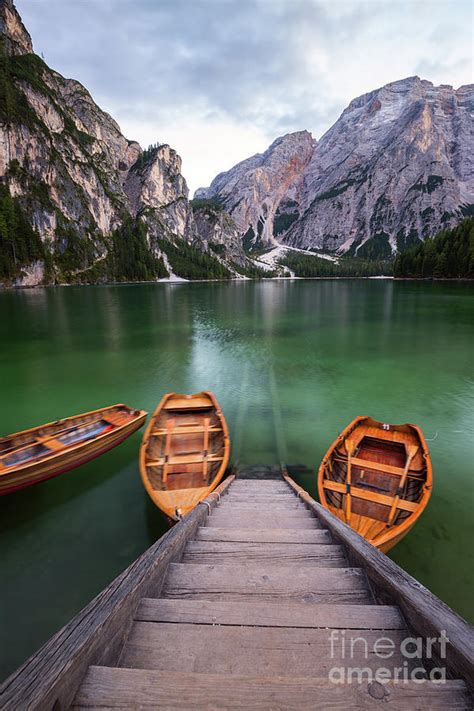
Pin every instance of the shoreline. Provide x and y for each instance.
(181, 282)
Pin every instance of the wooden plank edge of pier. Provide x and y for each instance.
(51, 677)
(150, 689)
(425, 613)
(95, 637)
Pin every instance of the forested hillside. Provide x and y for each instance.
(448, 255)
(307, 265)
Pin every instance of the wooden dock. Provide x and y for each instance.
(252, 601)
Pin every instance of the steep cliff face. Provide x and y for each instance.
(157, 191)
(262, 193)
(218, 230)
(61, 158)
(397, 166)
(93, 204)
(15, 35)
(79, 202)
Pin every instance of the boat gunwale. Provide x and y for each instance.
(397, 530)
(154, 494)
(77, 447)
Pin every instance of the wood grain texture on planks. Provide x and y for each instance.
(236, 582)
(261, 614)
(149, 689)
(266, 535)
(276, 651)
(281, 554)
(248, 520)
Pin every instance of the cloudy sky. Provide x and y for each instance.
(220, 79)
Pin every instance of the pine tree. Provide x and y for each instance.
(448, 255)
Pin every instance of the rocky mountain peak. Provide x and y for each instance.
(94, 206)
(288, 145)
(253, 190)
(395, 167)
(15, 36)
(282, 148)
(157, 190)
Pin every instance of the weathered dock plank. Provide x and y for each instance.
(295, 511)
(278, 497)
(278, 614)
(265, 535)
(250, 650)
(237, 582)
(258, 487)
(424, 612)
(261, 499)
(241, 506)
(236, 607)
(249, 520)
(107, 688)
(219, 552)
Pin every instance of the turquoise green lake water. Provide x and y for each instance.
(291, 364)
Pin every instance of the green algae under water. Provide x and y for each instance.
(291, 364)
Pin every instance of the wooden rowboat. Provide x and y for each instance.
(185, 452)
(31, 456)
(377, 478)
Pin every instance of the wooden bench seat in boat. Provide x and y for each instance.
(376, 466)
(187, 403)
(195, 458)
(371, 467)
(187, 429)
(370, 495)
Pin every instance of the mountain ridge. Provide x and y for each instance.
(352, 192)
(92, 204)
(81, 203)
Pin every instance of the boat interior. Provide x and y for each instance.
(26, 447)
(186, 445)
(374, 478)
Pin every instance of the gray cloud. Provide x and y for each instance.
(272, 65)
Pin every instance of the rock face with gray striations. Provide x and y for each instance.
(79, 202)
(260, 193)
(15, 35)
(59, 153)
(66, 165)
(218, 230)
(396, 167)
(157, 191)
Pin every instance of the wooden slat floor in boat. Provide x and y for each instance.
(244, 620)
(184, 480)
